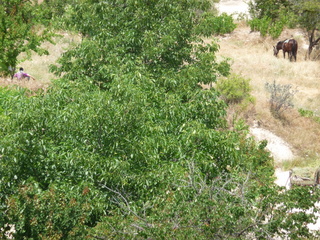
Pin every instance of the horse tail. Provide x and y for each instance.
(295, 49)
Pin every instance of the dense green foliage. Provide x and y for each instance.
(210, 24)
(134, 159)
(52, 12)
(268, 8)
(126, 145)
(266, 26)
(134, 36)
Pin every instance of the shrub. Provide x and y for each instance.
(306, 113)
(281, 98)
(211, 25)
(235, 89)
(266, 26)
(276, 29)
(261, 25)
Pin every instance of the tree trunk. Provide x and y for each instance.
(312, 42)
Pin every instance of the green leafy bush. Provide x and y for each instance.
(276, 29)
(261, 25)
(235, 89)
(211, 24)
(306, 113)
(266, 26)
(60, 212)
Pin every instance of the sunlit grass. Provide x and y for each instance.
(252, 57)
(302, 166)
(38, 66)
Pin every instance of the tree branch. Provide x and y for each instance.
(127, 204)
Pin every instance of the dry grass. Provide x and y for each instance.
(38, 66)
(252, 57)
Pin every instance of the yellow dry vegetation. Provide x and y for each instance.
(252, 57)
(38, 66)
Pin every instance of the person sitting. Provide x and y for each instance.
(21, 75)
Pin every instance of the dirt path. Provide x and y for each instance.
(279, 149)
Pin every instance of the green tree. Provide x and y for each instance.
(19, 32)
(123, 35)
(308, 13)
(132, 147)
(269, 17)
(52, 12)
(136, 161)
(268, 8)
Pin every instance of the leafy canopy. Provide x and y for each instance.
(129, 36)
(132, 147)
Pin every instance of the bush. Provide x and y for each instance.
(281, 98)
(235, 89)
(60, 212)
(260, 25)
(211, 25)
(266, 26)
(276, 29)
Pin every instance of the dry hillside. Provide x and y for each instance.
(252, 57)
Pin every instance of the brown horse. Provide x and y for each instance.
(290, 46)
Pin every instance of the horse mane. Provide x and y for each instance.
(279, 45)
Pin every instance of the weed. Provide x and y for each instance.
(309, 114)
(280, 99)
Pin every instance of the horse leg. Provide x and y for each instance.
(294, 55)
(290, 56)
